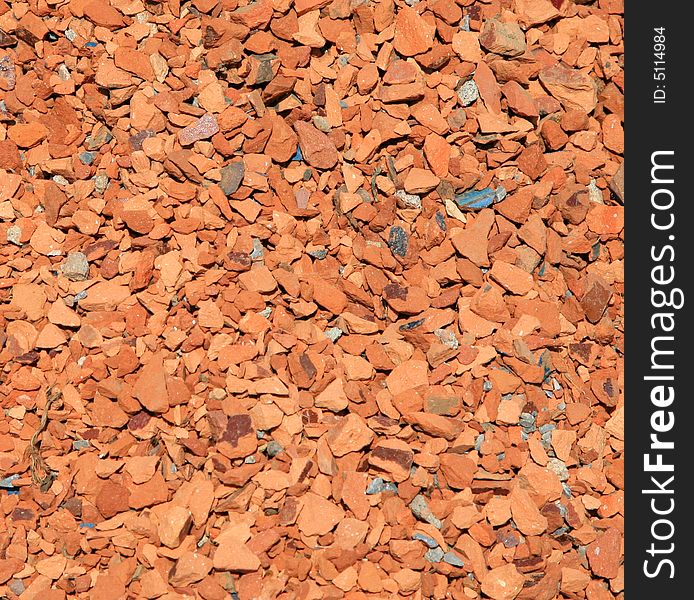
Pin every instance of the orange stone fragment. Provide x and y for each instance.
(150, 387)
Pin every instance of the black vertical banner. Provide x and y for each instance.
(658, 291)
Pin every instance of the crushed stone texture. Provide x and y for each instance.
(256, 339)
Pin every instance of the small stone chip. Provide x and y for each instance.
(378, 485)
(429, 541)
(14, 234)
(468, 92)
(333, 334)
(205, 127)
(232, 176)
(408, 200)
(453, 559)
(420, 509)
(75, 267)
(434, 555)
(398, 241)
(273, 448)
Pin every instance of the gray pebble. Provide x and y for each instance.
(321, 124)
(434, 555)
(333, 334)
(527, 421)
(273, 448)
(80, 444)
(258, 250)
(453, 559)
(468, 92)
(546, 440)
(421, 510)
(64, 72)
(100, 183)
(510, 539)
(447, 338)
(87, 158)
(375, 487)
(8, 482)
(17, 586)
(14, 234)
(75, 267)
(319, 254)
(408, 200)
(379, 485)
(429, 541)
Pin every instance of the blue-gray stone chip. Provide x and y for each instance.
(8, 482)
(273, 448)
(429, 541)
(87, 158)
(434, 555)
(453, 559)
(379, 485)
(397, 240)
(476, 199)
(319, 254)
